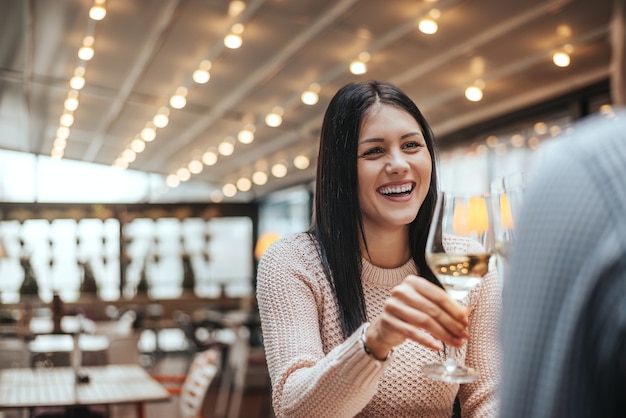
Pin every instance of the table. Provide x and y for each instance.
(112, 384)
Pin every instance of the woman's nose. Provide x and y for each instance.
(396, 164)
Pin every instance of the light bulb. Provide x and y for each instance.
(229, 190)
(259, 177)
(427, 26)
(209, 157)
(195, 167)
(66, 119)
(77, 82)
(227, 147)
(358, 67)
(85, 53)
(233, 41)
(279, 170)
(473, 94)
(244, 184)
(97, 12)
(561, 59)
(301, 162)
(309, 98)
(137, 145)
(183, 174)
(201, 76)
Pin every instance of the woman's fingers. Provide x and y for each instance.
(417, 305)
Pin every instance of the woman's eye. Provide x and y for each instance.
(412, 145)
(372, 151)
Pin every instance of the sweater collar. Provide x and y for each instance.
(375, 275)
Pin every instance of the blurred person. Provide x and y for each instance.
(564, 319)
(350, 311)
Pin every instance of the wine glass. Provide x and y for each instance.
(460, 222)
(506, 199)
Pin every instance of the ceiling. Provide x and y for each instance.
(145, 50)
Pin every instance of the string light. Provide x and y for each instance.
(246, 135)
(98, 11)
(179, 99)
(259, 177)
(209, 157)
(233, 40)
(275, 118)
(226, 147)
(311, 95)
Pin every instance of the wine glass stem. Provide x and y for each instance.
(451, 358)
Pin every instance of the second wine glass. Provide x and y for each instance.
(459, 251)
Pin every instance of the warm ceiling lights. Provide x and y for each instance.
(561, 58)
(227, 147)
(279, 170)
(259, 177)
(209, 157)
(86, 52)
(301, 162)
(229, 190)
(244, 184)
(201, 75)
(474, 93)
(275, 117)
(195, 167)
(359, 66)
(162, 118)
(311, 95)
(66, 119)
(137, 145)
(233, 40)
(428, 25)
(246, 135)
(77, 82)
(71, 103)
(98, 11)
(179, 99)
(148, 133)
(183, 174)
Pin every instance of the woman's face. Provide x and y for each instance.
(394, 168)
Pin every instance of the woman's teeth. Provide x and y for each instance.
(396, 190)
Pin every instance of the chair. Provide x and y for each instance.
(192, 387)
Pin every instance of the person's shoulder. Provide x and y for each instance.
(292, 245)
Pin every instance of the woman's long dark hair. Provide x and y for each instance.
(337, 220)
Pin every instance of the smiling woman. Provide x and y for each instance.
(349, 310)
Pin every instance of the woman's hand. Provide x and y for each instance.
(417, 305)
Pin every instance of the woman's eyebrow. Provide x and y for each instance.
(407, 135)
(411, 134)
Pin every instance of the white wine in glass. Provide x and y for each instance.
(459, 251)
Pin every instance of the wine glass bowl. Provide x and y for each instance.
(459, 250)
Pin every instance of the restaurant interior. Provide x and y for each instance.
(150, 151)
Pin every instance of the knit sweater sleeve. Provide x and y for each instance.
(309, 376)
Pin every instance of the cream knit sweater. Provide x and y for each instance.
(316, 373)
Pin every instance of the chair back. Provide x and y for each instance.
(123, 348)
(194, 389)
